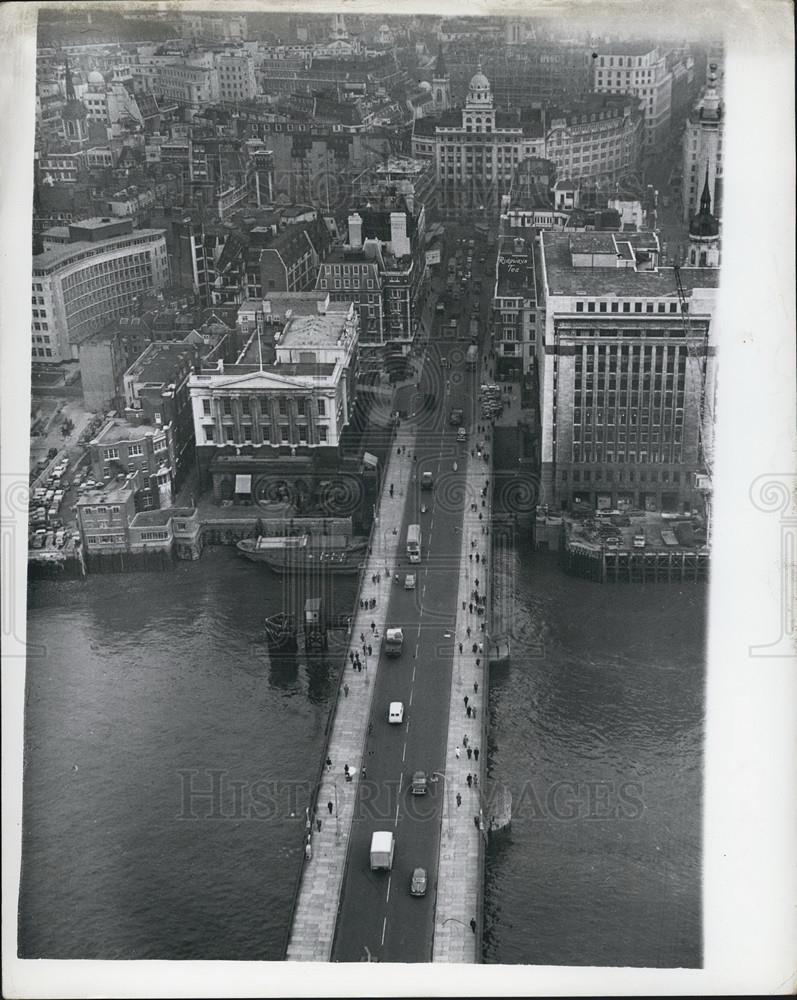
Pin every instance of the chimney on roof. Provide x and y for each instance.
(220, 366)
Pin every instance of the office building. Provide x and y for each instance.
(626, 379)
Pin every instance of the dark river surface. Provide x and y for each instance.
(156, 688)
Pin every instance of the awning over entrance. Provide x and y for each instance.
(243, 484)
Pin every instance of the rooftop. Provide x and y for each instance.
(58, 255)
(145, 518)
(120, 430)
(315, 331)
(565, 279)
(158, 362)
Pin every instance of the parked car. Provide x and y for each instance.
(639, 540)
(409, 581)
(613, 542)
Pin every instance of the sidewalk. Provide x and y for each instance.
(457, 933)
(316, 910)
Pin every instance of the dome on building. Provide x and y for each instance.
(479, 82)
(425, 85)
(96, 79)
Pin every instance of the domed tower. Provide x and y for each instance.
(478, 114)
(74, 114)
(704, 233)
(441, 83)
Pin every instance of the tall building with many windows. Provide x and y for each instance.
(479, 151)
(77, 287)
(625, 382)
(643, 72)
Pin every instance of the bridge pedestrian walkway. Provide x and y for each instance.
(316, 909)
(457, 932)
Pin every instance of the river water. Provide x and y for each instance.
(153, 686)
(597, 730)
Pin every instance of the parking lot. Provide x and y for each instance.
(639, 530)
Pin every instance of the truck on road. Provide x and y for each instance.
(472, 356)
(383, 845)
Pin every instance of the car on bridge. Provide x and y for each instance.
(419, 882)
(409, 581)
(419, 784)
(395, 712)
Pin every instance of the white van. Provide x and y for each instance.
(395, 712)
(462, 434)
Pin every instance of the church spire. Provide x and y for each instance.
(70, 87)
(705, 197)
(440, 70)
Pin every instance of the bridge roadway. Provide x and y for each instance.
(344, 912)
(377, 912)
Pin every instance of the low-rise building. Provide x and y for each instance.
(121, 448)
(104, 516)
(155, 389)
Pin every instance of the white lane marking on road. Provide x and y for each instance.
(387, 894)
(398, 806)
(413, 675)
(411, 693)
(401, 776)
(384, 928)
(423, 589)
(403, 758)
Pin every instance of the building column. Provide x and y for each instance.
(254, 409)
(218, 414)
(237, 414)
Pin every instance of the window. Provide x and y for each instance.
(322, 407)
(209, 435)
(285, 433)
(265, 430)
(134, 450)
(227, 408)
(206, 407)
(322, 434)
(111, 454)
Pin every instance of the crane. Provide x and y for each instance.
(697, 350)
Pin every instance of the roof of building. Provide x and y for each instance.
(120, 430)
(57, 255)
(565, 279)
(321, 330)
(159, 361)
(147, 518)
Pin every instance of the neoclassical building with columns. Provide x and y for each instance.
(262, 429)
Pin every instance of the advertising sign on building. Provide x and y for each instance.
(433, 256)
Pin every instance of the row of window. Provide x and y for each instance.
(105, 539)
(283, 435)
(282, 406)
(655, 456)
(619, 475)
(649, 307)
